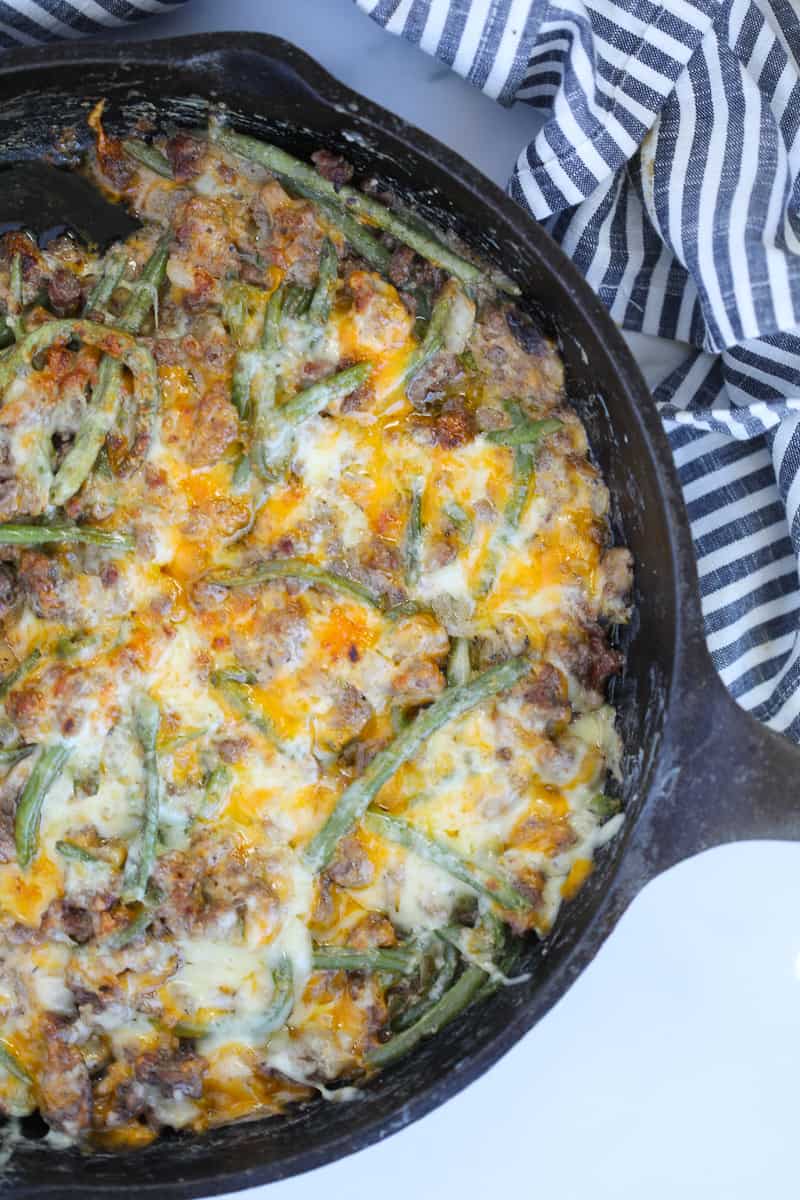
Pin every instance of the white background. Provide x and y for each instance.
(670, 1069)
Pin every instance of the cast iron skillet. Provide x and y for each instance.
(698, 771)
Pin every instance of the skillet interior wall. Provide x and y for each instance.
(282, 105)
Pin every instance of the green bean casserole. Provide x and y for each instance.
(306, 583)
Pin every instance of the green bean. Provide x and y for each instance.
(452, 1003)
(238, 698)
(296, 568)
(604, 807)
(297, 300)
(489, 883)
(237, 303)
(146, 721)
(271, 333)
(423, 298)
(320, 306)
(400, 718)
(282, 1003)
(241, 473)
(275, 439)
(356, 799)
(245, 366)
(408, 608)
(264, 380)
(11, 755)
(216, 789)
(236, 675)
(22, 669)
(348, 198)
(273, 1018)
(396, 961)
(459, 668)
(94, 429)
(444, 978)
(461, 519)
(414, 533)
(145, 288)
(234, 311)
(523, 478)
(14, 319)
(435, 334)
(523, 433)
(110, 339)
(128, 933)
(149, 156)
(10, 1063)
(76, 853)
(16, 534)
(107, 282)
(361, 240)
(524, 463)
(47, 769)
(72, 643)
(102, 412)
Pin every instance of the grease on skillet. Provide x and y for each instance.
(306, 586)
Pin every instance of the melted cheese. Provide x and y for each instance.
(318, 677)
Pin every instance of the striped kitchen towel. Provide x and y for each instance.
(30, 22)
(668, 167)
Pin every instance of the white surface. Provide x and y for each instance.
(669, 1070)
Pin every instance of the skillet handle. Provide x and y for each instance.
(732, 779)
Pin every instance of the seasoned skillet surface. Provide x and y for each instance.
(296, 521)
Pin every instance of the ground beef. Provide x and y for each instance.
(616, 571)
(603, 660)
(275, 641)
(351, 867)
(115, 165)
(297, 240)
(400, 265)
(429, 386)
(43, 585)
(208, 886)
(64, 292)
(418, 682)
(333, 167)
(8, 590)
(544, 694)
(71, 920)
(64, 1089)
(372, 931)
(515, 359)
(454, 426)
(174, 1073)
(216, 427)
(589, 659)
(184, 153)
(168, 352)
(10, 788)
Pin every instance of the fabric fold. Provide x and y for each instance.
(668, 167)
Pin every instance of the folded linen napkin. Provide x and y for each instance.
(29, 22)
(668, 167)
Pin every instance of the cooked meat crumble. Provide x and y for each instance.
(306, 587)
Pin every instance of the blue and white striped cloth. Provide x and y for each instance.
(31, 22)
(668, 167)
